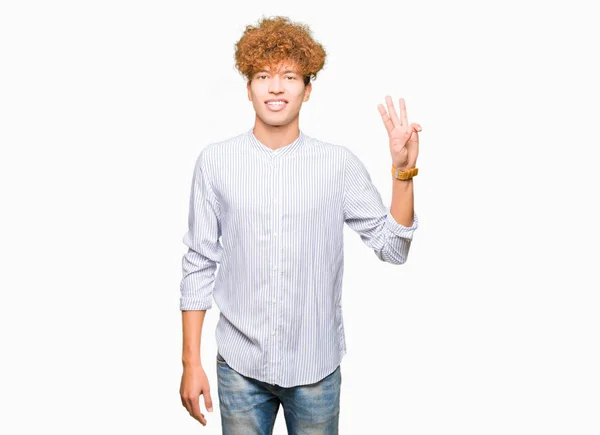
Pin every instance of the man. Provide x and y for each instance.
(278, 199)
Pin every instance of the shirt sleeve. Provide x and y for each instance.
(365, 213)
(199, 264)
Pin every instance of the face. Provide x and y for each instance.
(281, 83)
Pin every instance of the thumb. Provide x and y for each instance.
(208, 401)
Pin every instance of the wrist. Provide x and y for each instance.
(191, 361)
(404, 167)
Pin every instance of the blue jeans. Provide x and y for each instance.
(249, 406)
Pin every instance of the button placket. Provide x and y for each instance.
(275, 252)
(278, 250)
(276, 189)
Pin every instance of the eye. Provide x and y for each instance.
(291, 77)
(261, 76)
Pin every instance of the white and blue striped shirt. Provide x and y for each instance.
(279, 215)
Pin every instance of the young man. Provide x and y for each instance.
(278, 199)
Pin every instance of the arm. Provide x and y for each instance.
(402, 207)
(194, 381)
(192, 321)
(199, 264)
(365, 213)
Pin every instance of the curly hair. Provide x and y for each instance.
(277, 39)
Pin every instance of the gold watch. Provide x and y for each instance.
(404, 175)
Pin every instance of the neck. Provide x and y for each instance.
(276, 136)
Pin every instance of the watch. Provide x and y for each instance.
(404, 175)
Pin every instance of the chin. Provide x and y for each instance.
(275, 122)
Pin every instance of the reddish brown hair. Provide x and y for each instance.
(278, 39)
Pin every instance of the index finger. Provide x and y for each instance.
(403, 112)
(196, 411)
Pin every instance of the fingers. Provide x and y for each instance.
(208, 401)
(391, 120)
(193, 408)
(387, 122)
(196, 411)
(392, 112)
(415, 127)
(403, 114)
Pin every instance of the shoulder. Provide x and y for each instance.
(214, 151)
(327, 147)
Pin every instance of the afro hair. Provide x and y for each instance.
(278, 39)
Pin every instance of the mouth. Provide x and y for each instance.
(276, 105)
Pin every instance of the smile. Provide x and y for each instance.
(276, 106)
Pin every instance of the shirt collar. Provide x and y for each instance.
(282, 151)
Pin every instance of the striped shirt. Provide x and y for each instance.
(273, 221)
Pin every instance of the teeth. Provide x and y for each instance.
(276, 103)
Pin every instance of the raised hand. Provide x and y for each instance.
(404, 138)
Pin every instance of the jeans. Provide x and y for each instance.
(249, 406)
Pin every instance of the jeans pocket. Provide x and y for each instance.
(220, 359)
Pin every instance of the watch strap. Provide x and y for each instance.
(404, 175)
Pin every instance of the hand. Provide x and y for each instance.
(404, 139)
(193, 383)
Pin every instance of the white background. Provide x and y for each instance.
(492, 325)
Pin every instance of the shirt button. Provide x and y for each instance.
(273, 333)
(273, 300)
(275, 234)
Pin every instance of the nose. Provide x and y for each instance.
(275, 84)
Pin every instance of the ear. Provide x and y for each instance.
(249, 93)
(307, 91)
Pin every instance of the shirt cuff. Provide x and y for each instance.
(194, 304)
(401, 230)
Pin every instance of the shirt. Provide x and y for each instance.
(272, 222)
